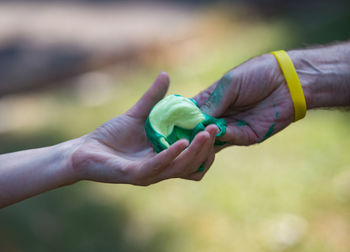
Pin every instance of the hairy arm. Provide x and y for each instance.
(254, 97)
(324, 73)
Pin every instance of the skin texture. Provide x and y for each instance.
(116, 152)
(121, 147)
(254, 96)
(254, 100)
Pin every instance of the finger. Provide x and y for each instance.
(190, 160)
(154, 94)
(194, 161)
(239, 135)
(164, 158)
(220, 98)
(190, 154)
(204, 153)
(180, 165)
(148, 172)
(197, 176)
(213, 130)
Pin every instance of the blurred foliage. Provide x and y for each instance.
(291, 193)
(72, 219)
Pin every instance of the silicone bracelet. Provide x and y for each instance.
(294, 86)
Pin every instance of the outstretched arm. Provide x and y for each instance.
(116, 152)
(30, 172)
(324, 73)
(255, 100)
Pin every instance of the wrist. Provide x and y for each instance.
(65, 152)
(324, 74)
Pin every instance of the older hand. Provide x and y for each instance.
(253, 98)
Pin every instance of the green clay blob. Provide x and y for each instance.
(175, 111)
(176, 117)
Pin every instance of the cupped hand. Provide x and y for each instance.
(253, 98)
(119, 151)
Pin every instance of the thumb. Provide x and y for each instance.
(154, 94)
(220, 98)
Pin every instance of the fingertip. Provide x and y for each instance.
(164, 78)
(161, 85)
(154, 94)
(183, 143)
(212, 129)
(203, 136)
(178, 147)
(164, 75)
(199, 141)
(173, 151)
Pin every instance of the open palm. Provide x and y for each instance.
(119, 151)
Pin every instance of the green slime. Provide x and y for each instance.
(176, 117)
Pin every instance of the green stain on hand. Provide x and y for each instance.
(241, 123)
(272, 127)
(220, 90)
(201, 168)
(268, 133)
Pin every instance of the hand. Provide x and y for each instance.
(119, 151)
(253, 98)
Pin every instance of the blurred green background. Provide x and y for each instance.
(70, 66)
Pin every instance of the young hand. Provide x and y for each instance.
(119, 151)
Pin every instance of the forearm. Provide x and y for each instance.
(324, 74)
(27, 173)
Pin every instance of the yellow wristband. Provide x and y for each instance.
(295, 89)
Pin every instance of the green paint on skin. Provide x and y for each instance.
(220, 90)
(201, 168)
(272, 127)
(268, 133)
(241, 123)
